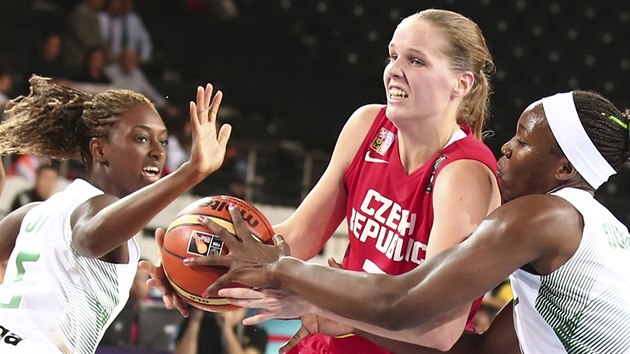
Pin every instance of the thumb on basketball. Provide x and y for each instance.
(279, 241)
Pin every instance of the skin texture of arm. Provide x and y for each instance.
(304, 230)
(188, 341)
(104, 223)
(499, 338)
(541, 230)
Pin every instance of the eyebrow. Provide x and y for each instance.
(146, 127)
(413, 50)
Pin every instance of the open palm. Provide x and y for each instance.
(208, 148)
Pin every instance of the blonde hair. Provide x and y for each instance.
(59, 121)
(468, 51)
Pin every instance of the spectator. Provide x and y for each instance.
(122, 29)
(83, 31)
(109, 22)
(49, 61)
(93, 69)
(126, 74)
(6, 83)
(26, 166)
(45, 185)
(220, 333)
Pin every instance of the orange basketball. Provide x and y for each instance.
(187, 237)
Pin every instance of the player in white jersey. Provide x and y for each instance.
(69, 262)
(568, 255)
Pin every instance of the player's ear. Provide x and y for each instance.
(565, 170)
(465, 82)
(99, 151)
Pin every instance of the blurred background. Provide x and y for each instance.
(293, 71)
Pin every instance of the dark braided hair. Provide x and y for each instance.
(604, 124)
(59, 122)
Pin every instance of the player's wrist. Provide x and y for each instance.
(280, 270)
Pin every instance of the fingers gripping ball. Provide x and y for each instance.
(187, 237)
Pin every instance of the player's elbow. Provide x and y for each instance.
(443, 343)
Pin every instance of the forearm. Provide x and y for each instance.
(188, 342)
(467, 344)
(121, 220)
(440, 333)
(441, 285)
(363, 298)
(231, 342)
(499, 338)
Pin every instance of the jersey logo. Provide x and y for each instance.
(383, 141)
(369, 158)
(8, 337)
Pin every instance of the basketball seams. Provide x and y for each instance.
(181, 231)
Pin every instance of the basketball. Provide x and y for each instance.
(187, 237)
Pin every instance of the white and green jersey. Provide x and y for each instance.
(53, 300)
(583, 306)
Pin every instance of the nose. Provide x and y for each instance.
(393, 69)
(158, 150)
(506, 150)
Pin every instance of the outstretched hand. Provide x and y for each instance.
(159, 281)
(248, 259)
(208, 147)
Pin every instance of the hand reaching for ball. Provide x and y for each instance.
(159, 281)
(247, 259)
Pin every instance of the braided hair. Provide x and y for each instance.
(606, 126)
(59, 121)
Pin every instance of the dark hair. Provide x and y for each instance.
(46, 167)
(59, 122)
(604, 124)
(466, 46)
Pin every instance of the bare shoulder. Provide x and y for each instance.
(542, 207)
(465, 169)
(353, 134)
(363, 117)
(91, 207)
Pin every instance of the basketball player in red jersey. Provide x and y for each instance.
(419, 181)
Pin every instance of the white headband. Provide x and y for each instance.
(573, 140)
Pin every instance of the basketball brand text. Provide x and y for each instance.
(220, 205)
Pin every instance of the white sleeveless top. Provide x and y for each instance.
(583, 306)
(53, 300)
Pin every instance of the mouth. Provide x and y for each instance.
(151, 173)
(397, 94)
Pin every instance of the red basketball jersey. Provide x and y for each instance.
(390, 212)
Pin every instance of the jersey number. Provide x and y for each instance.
(18, 284)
